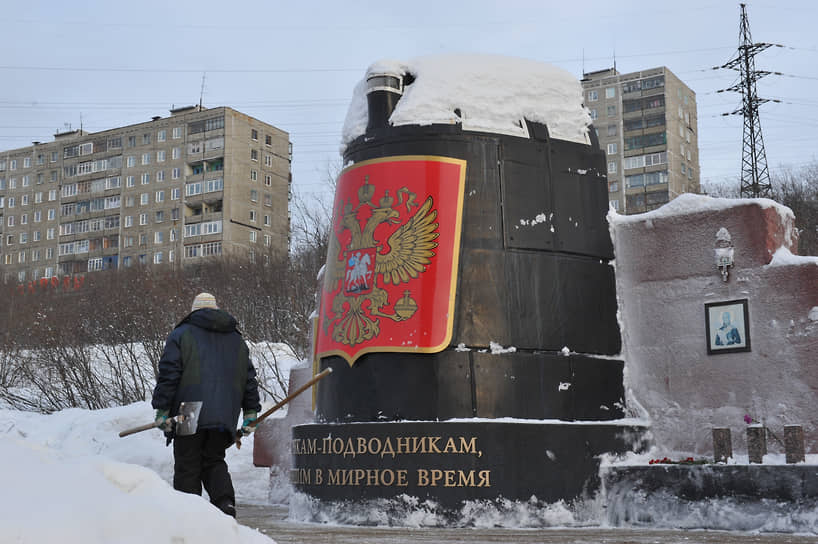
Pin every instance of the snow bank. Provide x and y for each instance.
(76, 480)
(69, 478)
(493, 94)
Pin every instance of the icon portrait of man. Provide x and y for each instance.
(727, 334)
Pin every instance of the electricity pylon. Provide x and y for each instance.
(755, 177)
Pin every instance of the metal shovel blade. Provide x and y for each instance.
(188, 418)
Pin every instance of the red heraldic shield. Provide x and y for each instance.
(389, 283)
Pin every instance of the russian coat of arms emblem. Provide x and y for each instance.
(389, 283)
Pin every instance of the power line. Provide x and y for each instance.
(179, 70)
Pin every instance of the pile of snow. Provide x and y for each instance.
(688, 203)
(492, 93)
(68, 477)
(784, 257)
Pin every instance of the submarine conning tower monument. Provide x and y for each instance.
(468, 307)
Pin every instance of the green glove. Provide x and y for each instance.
(246, 427)
(162, 421)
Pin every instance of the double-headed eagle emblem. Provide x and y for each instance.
(403, 256)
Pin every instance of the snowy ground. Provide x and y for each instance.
(68, 477)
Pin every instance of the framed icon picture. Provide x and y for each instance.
(728, 326)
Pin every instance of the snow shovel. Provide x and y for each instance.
(187, 420)
(321, 375)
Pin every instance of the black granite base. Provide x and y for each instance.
(455, 461)
(791, 483)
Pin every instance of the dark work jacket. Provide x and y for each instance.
(206, 359)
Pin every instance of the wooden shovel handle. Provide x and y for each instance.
(139, 429)
(326, 372)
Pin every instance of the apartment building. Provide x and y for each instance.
(647, 124)
(201, 182)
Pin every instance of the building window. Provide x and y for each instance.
(175, 173)
(253, 134)
(612, 111)
(253, 175)
(146, 139)
(253, 236)
(593, 114)
(143, 219)
(157, 257)
(268, 140)
(175, 193)
(131, 141)
(268, 180)
(160, 175)
(52, 214)
(160, 196)
(612, 149)
(177, 133)
(158, 237)
(161, 136)
(146, 178)
(268, 160)
(268, 240)
(252, 216)
(146, 158)
(160, 216)
(593, 96)
(194, 188)
(253, 195)
(254, 155)
(267, 222)
(612, 167)
(611, 130)
(144, 199)
(610, 92)
(128, 221)
(175, 153)
(160, 155)
(614, 204)
(130, 161)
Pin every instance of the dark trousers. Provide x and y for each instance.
(199, 459)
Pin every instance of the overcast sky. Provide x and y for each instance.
(295, 64)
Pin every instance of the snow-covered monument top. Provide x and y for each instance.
(485, 93)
